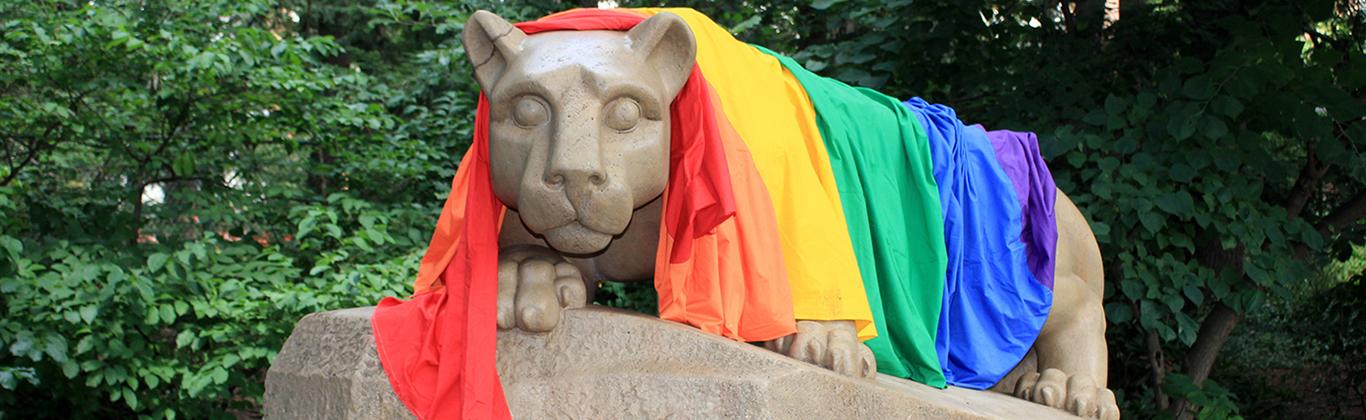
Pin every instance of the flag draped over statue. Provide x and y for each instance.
(790, 196)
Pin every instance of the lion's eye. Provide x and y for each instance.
(530, 112)
(622, 114)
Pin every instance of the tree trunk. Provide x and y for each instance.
(137, 213)
(1158, 362)
(1216, 327)
(1111, 13)
(320, 182)
(1214, 332)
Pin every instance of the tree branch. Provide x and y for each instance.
(1069, 18)
(34, 146)
(1305, 184)
(176, 178)
(1349, 212)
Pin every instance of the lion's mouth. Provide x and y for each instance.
(575, 238)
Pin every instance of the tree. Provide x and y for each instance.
(175, 304)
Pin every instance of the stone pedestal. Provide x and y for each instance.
(602, 363)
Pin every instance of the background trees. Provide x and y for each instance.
(182, 180)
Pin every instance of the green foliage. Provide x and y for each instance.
(184, 180)
(184, 331)
(1192, 176)
(639, 297)
(1304, 356)
(1214, 401)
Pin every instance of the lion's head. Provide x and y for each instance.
(579, 121)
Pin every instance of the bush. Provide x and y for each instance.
(185, 332)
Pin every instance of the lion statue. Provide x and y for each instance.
(579, 149)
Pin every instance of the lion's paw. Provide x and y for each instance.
(534, 284)
(1077, 394)
(832, 345)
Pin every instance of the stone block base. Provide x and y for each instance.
(602, 363)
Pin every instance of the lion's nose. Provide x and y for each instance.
(577, 177)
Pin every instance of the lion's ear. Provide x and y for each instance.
(666, 44)
(490, 43)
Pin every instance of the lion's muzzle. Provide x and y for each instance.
(578, 209)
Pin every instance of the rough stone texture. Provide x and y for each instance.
(602, 363)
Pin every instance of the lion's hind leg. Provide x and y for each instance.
(1067, 367)
(1072, 354)
(1069, 363)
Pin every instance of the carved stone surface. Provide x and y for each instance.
(602, 363)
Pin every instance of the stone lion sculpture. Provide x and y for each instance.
(579, 149)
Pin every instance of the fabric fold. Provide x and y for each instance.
(993, 306)
(884, 169)
(1019, 156)
(438, 348)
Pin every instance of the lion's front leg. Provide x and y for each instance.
(534, 284)
(832, 345)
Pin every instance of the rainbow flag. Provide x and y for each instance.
(791, 196)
